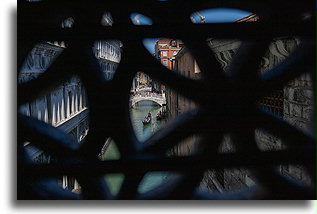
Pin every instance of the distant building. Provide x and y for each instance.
(166, 49)
(165, 52)
(108, 54)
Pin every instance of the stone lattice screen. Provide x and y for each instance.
(40, 21)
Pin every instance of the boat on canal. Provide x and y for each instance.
(147, 119)
(160, 115)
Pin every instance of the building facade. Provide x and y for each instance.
(292, 103)
(65, 107)
(108, 53)
(165, 52)
(185, 65)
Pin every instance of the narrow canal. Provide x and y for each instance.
(142, 132)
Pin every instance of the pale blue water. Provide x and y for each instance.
(142, 132)
(137, 115)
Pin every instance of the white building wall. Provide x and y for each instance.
(108, 54)
(51, 108)
(69, 98)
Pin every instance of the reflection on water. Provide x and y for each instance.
(142, 132)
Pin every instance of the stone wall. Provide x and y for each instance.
(186, 66)
(178, 104)
(298, 102)
(298, 111)
(298, 106)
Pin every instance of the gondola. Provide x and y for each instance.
(146, 121)
(159, 117)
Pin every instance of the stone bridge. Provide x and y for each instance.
(159, 99)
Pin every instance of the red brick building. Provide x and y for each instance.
(165, 51)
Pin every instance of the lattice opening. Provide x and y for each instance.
(234, 111)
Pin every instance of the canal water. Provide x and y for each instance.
(143, 132)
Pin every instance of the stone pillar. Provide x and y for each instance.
(80, 97)
(62, 109)
(68, 104)
(64, 184)
(73, 103)
(58, 113)
(76, 185)
(53, 114)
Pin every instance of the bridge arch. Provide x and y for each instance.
(135, 102)
(156, 99)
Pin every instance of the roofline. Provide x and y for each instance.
(181, 52)
(246, 18)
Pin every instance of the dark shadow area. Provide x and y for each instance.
(199, 115)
